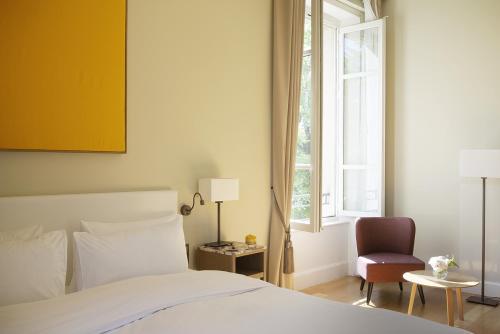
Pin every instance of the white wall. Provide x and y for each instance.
(443, 86)
(443, 96)
(198, 105)
(320, 257)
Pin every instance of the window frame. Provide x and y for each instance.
(335, 25)
(316, 222)
(313, 224)
(380, 24)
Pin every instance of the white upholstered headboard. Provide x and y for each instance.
(56, 212)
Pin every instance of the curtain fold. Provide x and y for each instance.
(288, 40)
(373, 9)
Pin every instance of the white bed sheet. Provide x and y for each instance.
(202, 302)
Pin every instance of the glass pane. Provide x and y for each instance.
(362, 116)
(361, 190)
(305, 113)
(329, 124)
(307, 30)
(361, 51)
(301, 198)
(362, 121)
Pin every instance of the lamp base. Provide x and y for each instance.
(217, 244)
(483, 301)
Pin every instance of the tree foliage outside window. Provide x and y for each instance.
(301, 199)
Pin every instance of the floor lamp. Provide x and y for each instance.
(484, 164)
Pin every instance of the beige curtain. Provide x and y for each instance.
(288, 37)
(373, 9)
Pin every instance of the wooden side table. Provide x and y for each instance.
(250, 262)
(454, 280)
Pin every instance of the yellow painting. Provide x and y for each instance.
(63, 75)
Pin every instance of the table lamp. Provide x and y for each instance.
(484, 164)
(218, 191)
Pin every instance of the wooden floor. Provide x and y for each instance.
(479, 319)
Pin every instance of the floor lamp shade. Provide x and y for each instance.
(481, 164)
(219, 190)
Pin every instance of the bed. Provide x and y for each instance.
(184, 302)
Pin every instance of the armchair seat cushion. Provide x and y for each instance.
(387, 267)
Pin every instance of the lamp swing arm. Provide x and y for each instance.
(186, 209)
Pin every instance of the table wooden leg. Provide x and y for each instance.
(450, 308)
(412, 298)
(460, 304)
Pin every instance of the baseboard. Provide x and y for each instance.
(491, 289)
(319, 275)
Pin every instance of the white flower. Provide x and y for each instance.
(441, 263)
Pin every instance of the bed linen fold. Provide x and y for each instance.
(208, 302)
(274, 310)
(110, 306)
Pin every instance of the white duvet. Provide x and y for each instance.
(202, 302)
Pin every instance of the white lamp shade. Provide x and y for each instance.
(219, 190)
(480, 163)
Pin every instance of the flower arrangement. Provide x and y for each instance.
(441, 264)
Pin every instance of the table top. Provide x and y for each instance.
(236, 249)
(453, 280)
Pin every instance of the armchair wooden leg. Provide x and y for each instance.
(362, 284)
(369, 294)
(400, 286)
(421, 294)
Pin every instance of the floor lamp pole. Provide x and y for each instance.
(482, 299)
(484, 239)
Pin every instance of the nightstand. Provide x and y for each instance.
(250, 262)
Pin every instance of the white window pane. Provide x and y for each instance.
(362, 112)
(329, 123)
(304, 134)
(302, 183)
(361, 51)
(361, 189)
(307, 30)
(362, 121)
(301, 198)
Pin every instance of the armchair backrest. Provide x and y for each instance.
(385, 235)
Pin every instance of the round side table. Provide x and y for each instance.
(454, 280)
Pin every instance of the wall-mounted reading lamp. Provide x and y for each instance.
(186, 209)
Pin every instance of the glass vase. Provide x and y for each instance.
(441, 274)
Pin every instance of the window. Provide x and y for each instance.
(339, 167)
(306, 186)
(301, 199)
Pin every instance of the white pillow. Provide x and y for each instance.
(26, 233)
(33, 269)
(99, 228)
(102, 259)
(104, 228)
